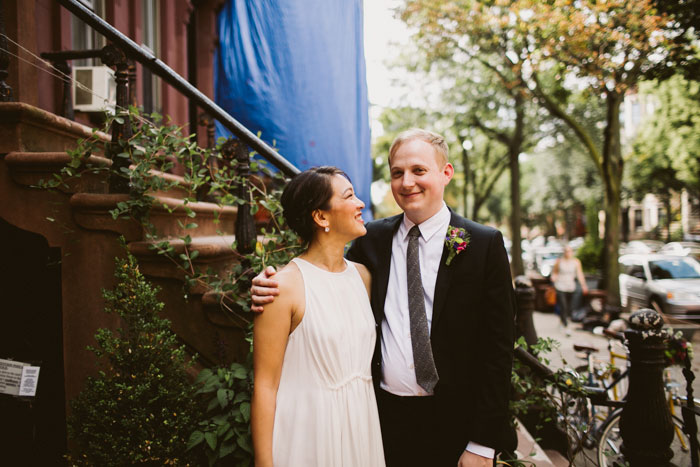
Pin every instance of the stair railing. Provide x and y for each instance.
(5, 89)
(119, 54)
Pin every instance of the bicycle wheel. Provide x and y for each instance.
(609, 454)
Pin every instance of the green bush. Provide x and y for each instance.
(591, 254)
(224, 435)
(141, 408)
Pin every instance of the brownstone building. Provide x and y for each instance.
(59, 247)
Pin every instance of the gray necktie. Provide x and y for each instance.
(426, 373)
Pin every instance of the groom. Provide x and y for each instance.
(444, 350)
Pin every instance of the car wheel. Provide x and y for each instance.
(656, 305)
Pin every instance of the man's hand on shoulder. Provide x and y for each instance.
(469, 459)
(264, 289)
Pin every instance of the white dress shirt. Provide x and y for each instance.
(398, 374)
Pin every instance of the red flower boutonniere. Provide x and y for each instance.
(456, 241)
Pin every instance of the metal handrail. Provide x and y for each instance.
(150, 61)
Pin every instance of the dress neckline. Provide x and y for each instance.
(347, 267)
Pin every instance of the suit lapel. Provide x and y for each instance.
(444, 276)
(384, 262)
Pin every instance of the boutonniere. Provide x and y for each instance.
(456, 241)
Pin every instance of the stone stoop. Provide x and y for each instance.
(529, 451)
(211, 231)
(76, 218)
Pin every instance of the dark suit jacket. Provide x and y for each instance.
(472, 329)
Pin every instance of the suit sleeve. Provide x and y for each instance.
(491, 425)
(357, 252)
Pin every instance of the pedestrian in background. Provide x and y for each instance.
(566, 270)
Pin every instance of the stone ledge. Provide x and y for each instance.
(91, 211)
(24, 127)
(29, 168)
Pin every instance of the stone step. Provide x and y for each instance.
(25, 128)
(216, 252)
(30, 168)
(529, 452)
(169, 216)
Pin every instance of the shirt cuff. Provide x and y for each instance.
(480, 450)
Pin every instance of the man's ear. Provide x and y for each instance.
(320, 218)
(448, 171)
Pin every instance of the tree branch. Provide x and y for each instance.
(577, 128)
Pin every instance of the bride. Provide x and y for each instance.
(313, 398)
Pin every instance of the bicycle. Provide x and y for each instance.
(600, 428)
(607, 433)
(610, 441)
(606, 384)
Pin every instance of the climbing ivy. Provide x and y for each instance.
(157, 148)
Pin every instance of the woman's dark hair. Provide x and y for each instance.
(306, 192)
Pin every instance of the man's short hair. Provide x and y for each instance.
(434, 139)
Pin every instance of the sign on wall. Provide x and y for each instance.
(18, 378)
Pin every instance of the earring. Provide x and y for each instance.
(327, 229)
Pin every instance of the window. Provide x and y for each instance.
(682, 268)
(635, 270)
(638, 222)
(151, 41)
(83, 37)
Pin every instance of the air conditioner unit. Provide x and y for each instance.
(94, 89)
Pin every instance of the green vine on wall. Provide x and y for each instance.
(207, 175)
(222, 435)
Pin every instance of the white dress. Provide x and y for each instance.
(326, 413)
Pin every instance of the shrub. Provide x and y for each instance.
(141, 407)
(591, 254)
(224, 435)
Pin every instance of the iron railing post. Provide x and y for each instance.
(6, 94)
(67, 105)
(151, 62)
(689, 412)
(121, 129)
(645, 423)
(245, 224)
(525, 299)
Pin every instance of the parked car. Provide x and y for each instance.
(682, 249)
(545, 257)
(641, 247)
(669, 284)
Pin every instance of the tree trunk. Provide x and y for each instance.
(516, 256)
(612, 167)
(465, 187)
(667, 205)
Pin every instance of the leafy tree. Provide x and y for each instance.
(487, 58)
(559, 175)
(666, 154)
(684, 32)
(609, 45)
(141, 407)
(483, 167)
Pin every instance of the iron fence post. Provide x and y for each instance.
(6, 94)
(525, 299)
(121, 130)
(645, 423)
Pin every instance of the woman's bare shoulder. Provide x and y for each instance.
(291, 286)
(289, 277)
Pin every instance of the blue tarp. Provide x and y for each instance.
(294, 70)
